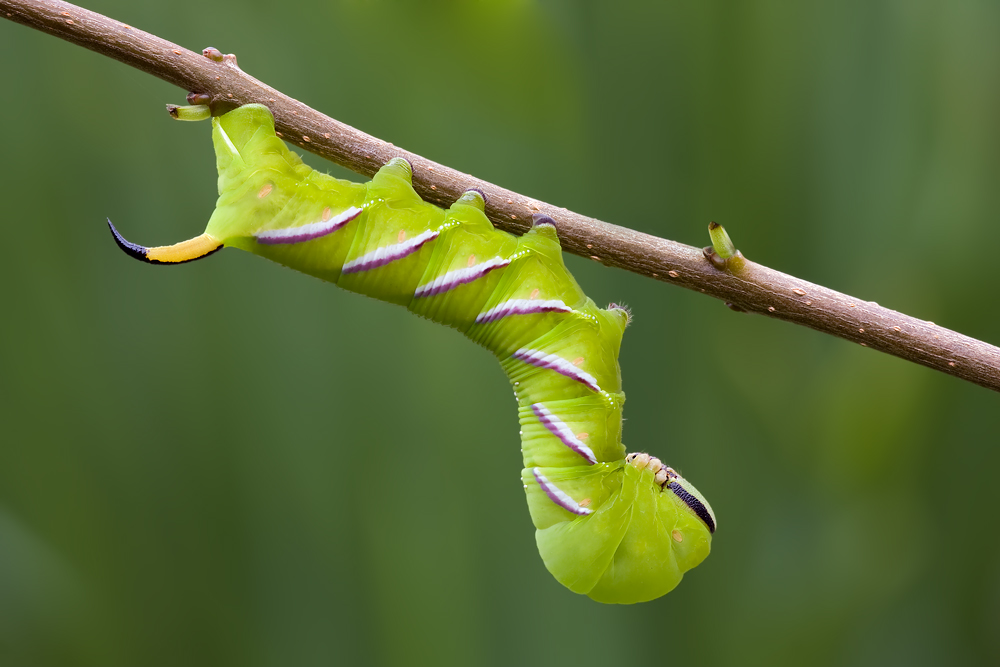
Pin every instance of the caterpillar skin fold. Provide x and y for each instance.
(618, 528)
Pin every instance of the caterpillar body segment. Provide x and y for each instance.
(618, 528)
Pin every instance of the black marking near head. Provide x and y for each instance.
(692, 502)
(131, 249)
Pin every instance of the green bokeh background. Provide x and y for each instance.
(229, 463)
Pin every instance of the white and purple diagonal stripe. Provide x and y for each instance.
(522, 307)
(559, 429)
(556, 495)
(453, 279)
(558, 364)
(313, 230)
(383, 256)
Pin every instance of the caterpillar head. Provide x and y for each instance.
(668, 479)
(625, 531)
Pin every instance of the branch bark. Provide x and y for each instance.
(750, 287)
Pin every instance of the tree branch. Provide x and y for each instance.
(744, 285)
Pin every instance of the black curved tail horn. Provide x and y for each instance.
(185, 251)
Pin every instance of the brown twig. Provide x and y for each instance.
(746, 286)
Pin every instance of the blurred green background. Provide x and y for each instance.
(229, 463)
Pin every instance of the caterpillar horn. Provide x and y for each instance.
(185, 251)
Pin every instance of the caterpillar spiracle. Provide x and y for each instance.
(620, 528)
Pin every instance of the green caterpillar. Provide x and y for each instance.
(619, 528)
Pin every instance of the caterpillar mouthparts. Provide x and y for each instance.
(643, 461)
